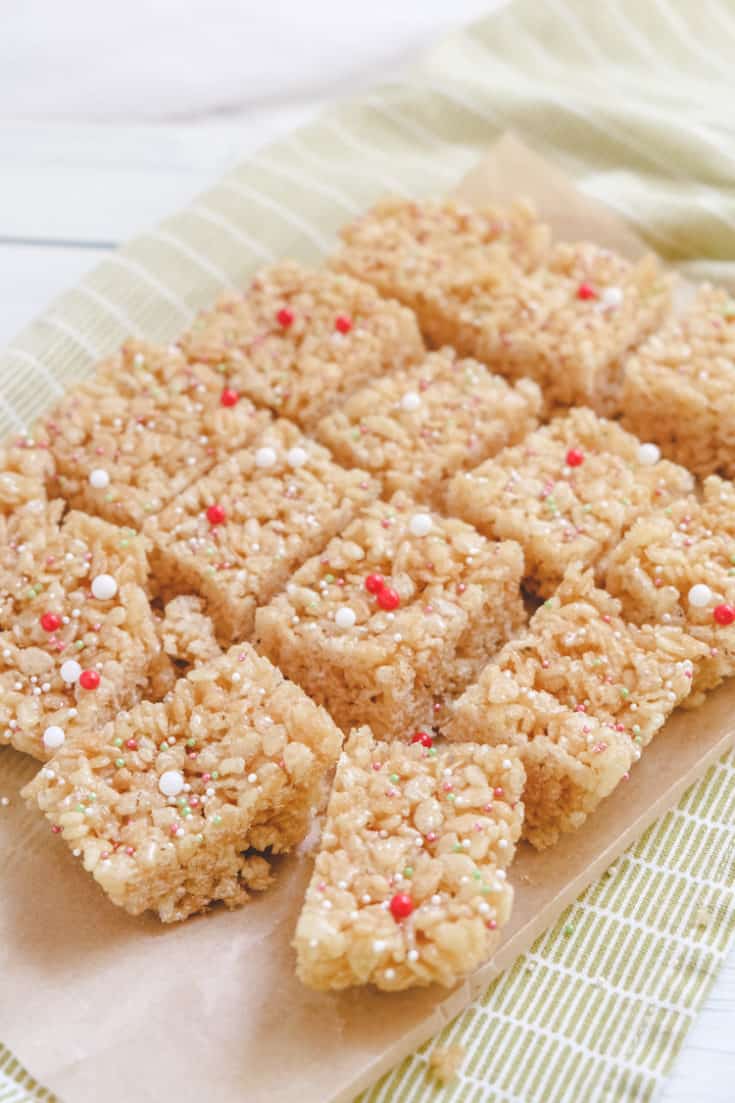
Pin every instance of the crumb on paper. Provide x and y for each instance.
(445, 1061)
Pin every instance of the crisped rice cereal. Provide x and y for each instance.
(398, 612)
(237, 535)
(579, 693)
(416, 428)
(166, 804)
(409, 886)
(566, 493)
(300, 340)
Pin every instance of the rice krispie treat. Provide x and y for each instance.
(187, 633)
(409, 886)
(579, 693)
(399, 611)
(300, 340)
(680, 387)
(415, 428)
(26, 469)
(236, 535)
(566, 493)
(568, 325)
(79, 640)
(139, 431)
(166, 804)
(434, 255)
(677, 567)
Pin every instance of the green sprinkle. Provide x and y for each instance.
(118, 742)
(222, 367)
(549, 602)
(729, 311)
(394, 778)
(31, 592)
(79, 644)
(408, 871)
(81, 808)
(124, 543)
(451, 796)
(199, 838)
(217, 819)
(432, 752)
(636, 729)
(456, 847)
(329, 578)
(119, 762)
(181, 800)
(485, 888)
(191, 742)
(568, 930)
(624, 692)
(476, 874)
(215, 775)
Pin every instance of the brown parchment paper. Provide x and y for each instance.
(104, 1008)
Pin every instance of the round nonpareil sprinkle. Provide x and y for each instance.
(700, 595)
(345, 617)
(649, 454)
(265, 457)
(171, 783)
(70, 671)
(99, 479)
(420, 524)
(53, 737)
(104, 587)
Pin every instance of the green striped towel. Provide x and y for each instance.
(633, 101)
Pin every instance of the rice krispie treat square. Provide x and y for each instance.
(677, 567)
(579, 693)
(79, 640)
(300, 340)
(568, 325)
(236, 535)
(141, 429)
(434, 255)
(566, 493)
(679, 388)
(415, 428)
(409, 886)
(166, 803)
(26, 469)
(399, 611)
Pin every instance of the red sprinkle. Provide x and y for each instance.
(388, 598)
(89, 679)
(724, 614)
(586, 291)
(216, 515)
(285, 317)
(374, 583)
(574, 457)
(131, 744)
(401, 906)
(229, 397)
(342, 323)
(423, 738)
(50, 622)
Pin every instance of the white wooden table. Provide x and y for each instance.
(107, 127)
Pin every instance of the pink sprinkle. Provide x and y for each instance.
(55, 828)
(130, 850)
(206, 777)
(431, 837)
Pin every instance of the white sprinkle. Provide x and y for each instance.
(436, 899)
(265, 457)
(503, 844)
(171, 783)
(410, 401)
(345, 617)
(420, 524)
(700, 595)
(99, 479)
(390, 974)
(366, 898)
(649, 454)
(612, 296)
(53, 737)
(379, 945)
(506, 764)
(70, 671)
(104, 587)
(297, 457)
(252, 778)
(413, 955)
(326, 904)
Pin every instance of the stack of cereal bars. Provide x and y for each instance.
(374, 540)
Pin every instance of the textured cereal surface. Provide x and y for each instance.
(666, 553)
(50, 570)
(438, 826)
(680, 387)
(273, 518)
(434, 254)
(560, 513)
(568, 324)
(249, 753)
(580, 692)
(415, 428)
(300, 340)
(151, 423)
(187, 633)
(458, 601)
